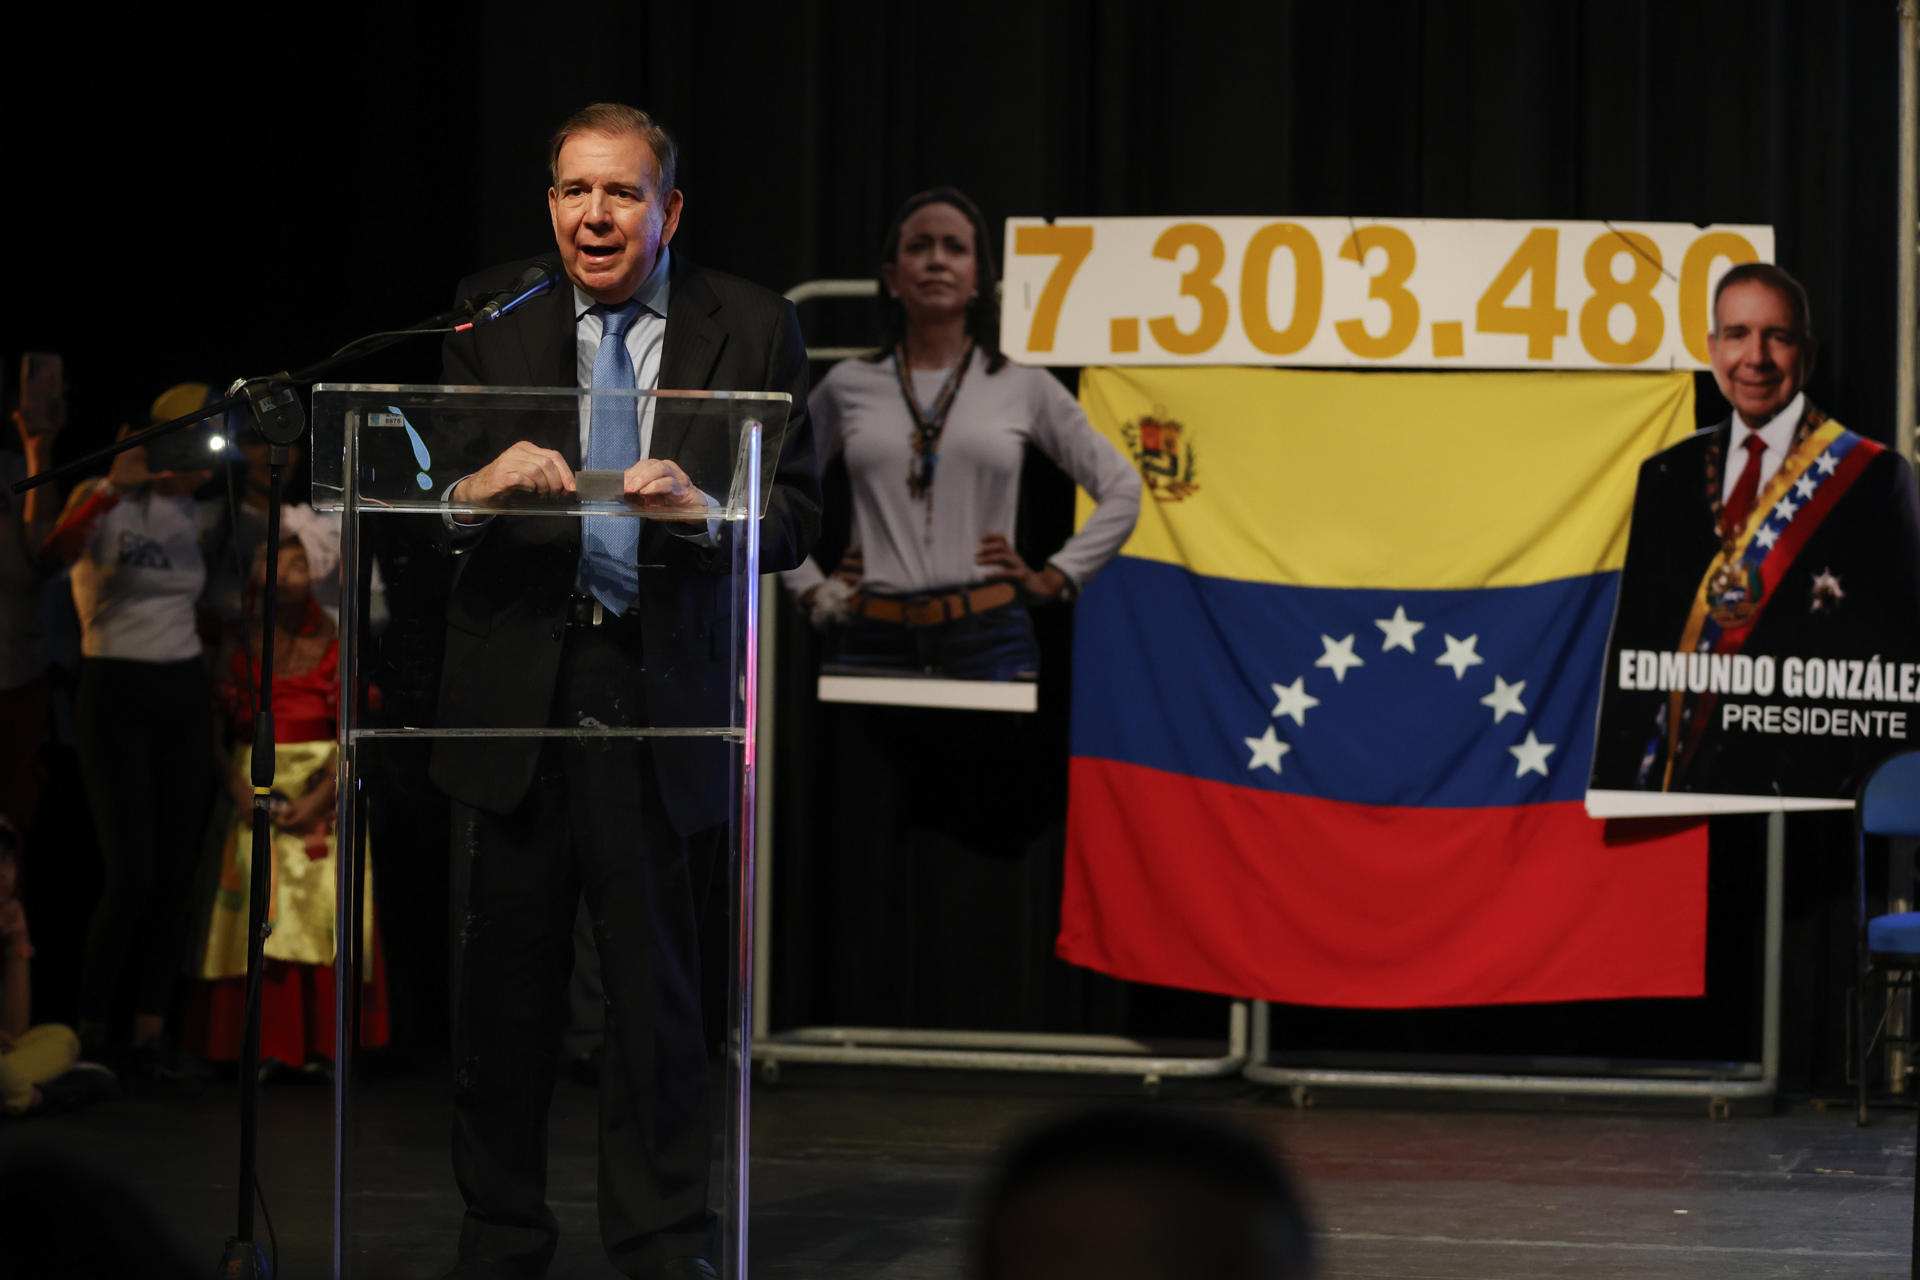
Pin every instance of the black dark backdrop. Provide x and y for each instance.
(189, 199)
(240, 197)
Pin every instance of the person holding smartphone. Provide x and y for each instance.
(24, 521)
(143, 719)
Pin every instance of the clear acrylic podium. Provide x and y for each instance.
(459, 579)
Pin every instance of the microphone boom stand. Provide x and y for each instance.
(275, 408)
(241, 1259)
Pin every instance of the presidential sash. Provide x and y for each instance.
(1739, 581)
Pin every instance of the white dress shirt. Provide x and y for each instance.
(645, 337)
(1778, 435)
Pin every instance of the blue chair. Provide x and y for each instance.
(1889, 945)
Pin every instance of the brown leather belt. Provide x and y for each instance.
(932, 611)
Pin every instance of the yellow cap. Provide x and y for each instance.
(177, 402)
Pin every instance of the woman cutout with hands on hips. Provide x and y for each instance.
(932, 813)
(933, 427)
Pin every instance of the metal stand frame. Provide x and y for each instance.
(1906, 381)
(1747, 1080)
(1907, 243)
(908, 1046)
(925, 1047)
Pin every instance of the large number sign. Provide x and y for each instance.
(1387, 292)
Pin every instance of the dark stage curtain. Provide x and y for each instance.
(216, 201)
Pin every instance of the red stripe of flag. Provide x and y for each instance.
(1192, 883)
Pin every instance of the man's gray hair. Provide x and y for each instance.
(615, 119)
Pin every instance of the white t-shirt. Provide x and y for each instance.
(136, 583)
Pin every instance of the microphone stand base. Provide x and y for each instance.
(242, 1260)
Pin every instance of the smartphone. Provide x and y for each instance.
(43, 396)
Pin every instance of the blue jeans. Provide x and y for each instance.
(995, 645)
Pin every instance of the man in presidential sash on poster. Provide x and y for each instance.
(1768, 627)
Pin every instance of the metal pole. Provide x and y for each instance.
(762, 1014)
(1899, 1003)
(1908, 310)
(346, 826)
(1907, 316)
(747, 583)
(1776, 911)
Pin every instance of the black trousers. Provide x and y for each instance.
(145, 738)
(592, 823)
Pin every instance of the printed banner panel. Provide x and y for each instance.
(1395, 292)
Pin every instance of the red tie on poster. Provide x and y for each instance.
(1745, 489)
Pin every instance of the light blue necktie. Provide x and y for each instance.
(610, 545)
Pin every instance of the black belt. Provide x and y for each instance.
(585, 611)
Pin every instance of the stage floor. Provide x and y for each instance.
(868, 1174)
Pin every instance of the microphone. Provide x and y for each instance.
(536, 280)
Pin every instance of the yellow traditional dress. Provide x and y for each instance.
(297, 1008)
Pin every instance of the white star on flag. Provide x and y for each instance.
(1338, 657)
(1400, 630)
(1294, 700)
(1504, 698)
(1460, 656)
(1267, 750)
(1532, 755)
(1767, 536)
(1805, 486)
(1786, 508)
(1825, 464)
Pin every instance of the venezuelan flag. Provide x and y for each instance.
(1333, 704)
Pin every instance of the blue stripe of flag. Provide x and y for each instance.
(1175, 671)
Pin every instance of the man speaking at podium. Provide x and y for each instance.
(599, 621)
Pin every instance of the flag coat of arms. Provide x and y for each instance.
(1333, 703)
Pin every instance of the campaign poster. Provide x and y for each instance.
(1771, 661)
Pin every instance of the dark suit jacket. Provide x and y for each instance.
(1870, 541)
(505, 611)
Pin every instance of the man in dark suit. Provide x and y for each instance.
(553, 621)
(1775, 534)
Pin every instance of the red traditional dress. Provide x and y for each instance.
(297, 1007)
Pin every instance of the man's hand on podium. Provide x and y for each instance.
(524, 468)
(657, 484)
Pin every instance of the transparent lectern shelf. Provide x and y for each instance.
(399, 448)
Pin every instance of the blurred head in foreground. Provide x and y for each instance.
(63, 1214)
(1135, 1194)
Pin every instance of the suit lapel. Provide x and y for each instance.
(695, 336)
(550, 350)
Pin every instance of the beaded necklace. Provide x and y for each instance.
(928, 424)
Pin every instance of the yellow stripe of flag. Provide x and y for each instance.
(1402, 480)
